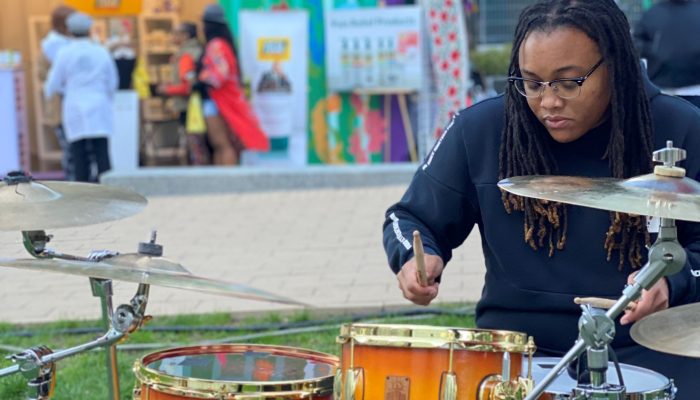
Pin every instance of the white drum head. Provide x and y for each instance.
(638, 380)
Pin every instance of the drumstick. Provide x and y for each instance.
(420, 258)
(598, 302)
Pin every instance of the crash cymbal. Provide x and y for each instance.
(138, 268)
(675, 331)
(649, 195)
(34, 205)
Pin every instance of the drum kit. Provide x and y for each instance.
(377, 361)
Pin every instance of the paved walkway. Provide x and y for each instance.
(321, 246)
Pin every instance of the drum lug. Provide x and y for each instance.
(349, 388)
(448, 386)
(494, 387)
(673, 389)
(338, 385)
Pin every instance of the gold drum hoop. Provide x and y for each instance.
(321, 367)
(424, 336)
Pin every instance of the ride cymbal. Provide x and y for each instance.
(648, 195)
(138, 268)
(33, 205)
(675, 331)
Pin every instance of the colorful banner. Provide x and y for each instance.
(342, 128)
(449, 58)
(374, 48)
(274, 60)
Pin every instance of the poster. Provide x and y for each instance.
(374, 49)
(274, 62)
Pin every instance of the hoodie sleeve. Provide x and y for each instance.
(440, 202)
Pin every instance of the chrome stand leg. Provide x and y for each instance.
(102, 288)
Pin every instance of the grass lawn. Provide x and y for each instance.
(84, 376)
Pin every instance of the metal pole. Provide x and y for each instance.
(102, 288)
(108, 338)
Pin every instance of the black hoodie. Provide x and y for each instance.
(526, 290)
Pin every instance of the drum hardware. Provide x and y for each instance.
(353, 376)
(502, 387)
(39, 376)
(597, 330)
(448, 379)
(666, 194)
(38, 364)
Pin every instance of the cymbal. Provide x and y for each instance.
(675, 331)
(139, 268)
(35, 205)
(649, 195)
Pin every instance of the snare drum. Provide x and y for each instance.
(412, 362)
(236, 371)
(640, 383)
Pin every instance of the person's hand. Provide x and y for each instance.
(409, 282)
(652, 300)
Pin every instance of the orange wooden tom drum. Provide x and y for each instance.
(235, 371)
(412, 362)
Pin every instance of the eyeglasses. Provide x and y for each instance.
(566, 88)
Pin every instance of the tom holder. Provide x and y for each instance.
(666, 257)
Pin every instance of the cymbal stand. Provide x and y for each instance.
(35, 244)
(666, 257)
(128, 317)
(37, 364)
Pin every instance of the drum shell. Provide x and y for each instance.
(419, 371)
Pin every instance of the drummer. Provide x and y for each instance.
(577, 104)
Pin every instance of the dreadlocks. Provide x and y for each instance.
(524, 150)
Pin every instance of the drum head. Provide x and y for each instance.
(637, 380)
(249, 365)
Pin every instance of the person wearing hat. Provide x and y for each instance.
(231, 124)
(85, 75)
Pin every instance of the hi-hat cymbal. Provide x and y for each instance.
(674, 331)
(33, 205)
(138, 268)
(649, 195)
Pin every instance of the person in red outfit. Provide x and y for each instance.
(231, 124)
(184, 75)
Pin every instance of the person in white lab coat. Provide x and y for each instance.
(86, 76)
(50, 46)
